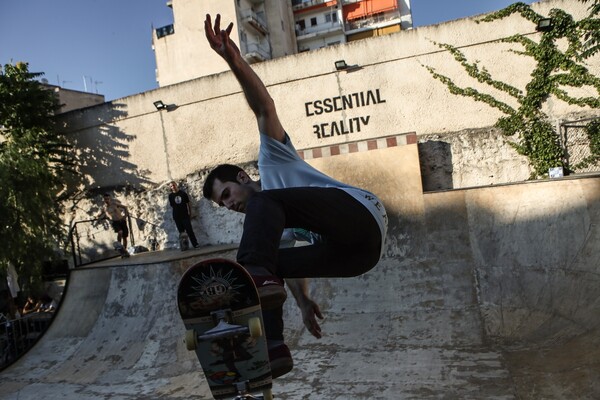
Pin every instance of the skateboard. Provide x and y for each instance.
(184, 241)
(122, 251)
(220, 308)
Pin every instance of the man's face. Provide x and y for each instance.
(173, 187)
(107, 199)
(232, 195)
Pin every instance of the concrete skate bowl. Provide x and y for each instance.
(486, 293)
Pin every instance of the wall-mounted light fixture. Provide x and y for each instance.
(341, 65)
(544, 25)
(160, 105)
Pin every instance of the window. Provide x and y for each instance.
(331, 17)
(313, 21)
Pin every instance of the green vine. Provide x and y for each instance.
(593, 133)
(555, 72)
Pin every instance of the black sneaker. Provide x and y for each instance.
(270, 290)
(281, 360)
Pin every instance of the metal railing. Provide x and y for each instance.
(17, 336)
(576, 145)
(374, 19)
(92, 239)
(298, 5)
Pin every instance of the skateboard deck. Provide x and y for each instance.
(122, 251)
(220, 308)
(184, 241)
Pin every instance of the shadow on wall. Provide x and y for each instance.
(103, 149)
(436, 165)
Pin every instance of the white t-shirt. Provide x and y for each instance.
(280, 167)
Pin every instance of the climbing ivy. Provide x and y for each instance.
(593, 133)
(554, 73)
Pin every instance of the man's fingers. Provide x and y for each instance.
(229, 28)
(217, 24)
(207, 26)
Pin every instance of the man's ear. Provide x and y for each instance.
(243, 178)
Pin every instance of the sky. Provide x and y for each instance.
(105, 46)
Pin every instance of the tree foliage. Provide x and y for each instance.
(33, 159)
(555, 72)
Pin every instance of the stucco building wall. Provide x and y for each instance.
(209, 122)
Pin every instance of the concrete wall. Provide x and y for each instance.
(210, 122)
(489, 292)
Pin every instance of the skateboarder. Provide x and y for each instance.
(291, 194)
(117, 213)
(180, 202)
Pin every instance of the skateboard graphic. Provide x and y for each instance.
(122, 251)
(221, 311)
(184, 241)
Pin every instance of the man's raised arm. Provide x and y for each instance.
(256, 93)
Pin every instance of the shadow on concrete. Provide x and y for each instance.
(103, 149)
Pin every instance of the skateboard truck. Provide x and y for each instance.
(243, 394)
(223, 329)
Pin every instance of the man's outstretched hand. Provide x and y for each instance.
(219, 40)
(310, 313)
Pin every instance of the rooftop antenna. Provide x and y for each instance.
(96, 84)
(84, 84)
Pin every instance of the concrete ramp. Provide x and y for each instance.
(117, 335)
(486, 293)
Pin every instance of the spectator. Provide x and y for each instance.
(182, 212)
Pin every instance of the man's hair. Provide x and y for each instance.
(224, 173)
(106, 195)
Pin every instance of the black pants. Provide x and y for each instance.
(185, 224)
(352, 238)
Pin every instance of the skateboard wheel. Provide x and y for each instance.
(255, 327)
(267, 394)
(191, 342)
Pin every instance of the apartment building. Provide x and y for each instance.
(266, 29)
(263, 29)
(321, 23)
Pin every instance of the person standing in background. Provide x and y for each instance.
(180, 202)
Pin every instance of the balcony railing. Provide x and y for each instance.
(298, 5)
(256, 21)
(372, 20)
(256, 52)
(328, 27)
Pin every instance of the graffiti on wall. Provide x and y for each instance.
(341, 103)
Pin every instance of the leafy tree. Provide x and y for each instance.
(33, 159)
(555, 72)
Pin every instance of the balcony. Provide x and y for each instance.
(375, 20)
(255, 21)
(326, 29)
(255, 53)
(299, 5)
